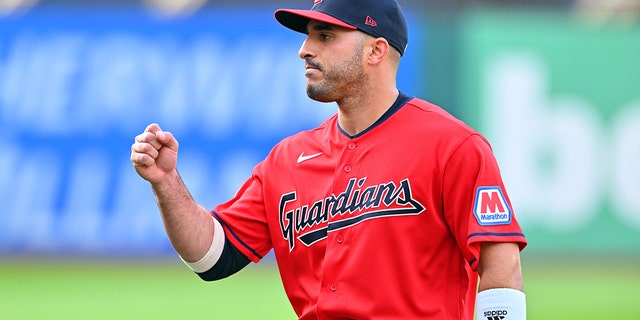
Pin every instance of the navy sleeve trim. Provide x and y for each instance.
(244, 244)
(496, 234)
(231, 261)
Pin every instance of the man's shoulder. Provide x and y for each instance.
(430, 109)
(435, 117)
(306, 140)
(312, 134)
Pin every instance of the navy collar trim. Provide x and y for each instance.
(400, 101)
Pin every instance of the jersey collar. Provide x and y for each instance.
(400, 101)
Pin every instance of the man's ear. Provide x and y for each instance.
(379, 50)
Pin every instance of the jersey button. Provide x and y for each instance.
(347, 168)
(333, 287)
(340, 239)
(351, 146)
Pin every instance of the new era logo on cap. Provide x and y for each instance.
(370, 22)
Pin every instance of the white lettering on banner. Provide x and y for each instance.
(66, 183)
(35, 82)
(626, 168)
(554, 152)
(82, 215)
(33, 187)
(30, 187)
(92, 84)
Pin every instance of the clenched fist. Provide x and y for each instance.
(154, 154)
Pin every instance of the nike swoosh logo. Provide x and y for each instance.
(303, 158)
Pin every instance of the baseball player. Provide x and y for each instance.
(390, 209)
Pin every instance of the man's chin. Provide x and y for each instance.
(319, 96)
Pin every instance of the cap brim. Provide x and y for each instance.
(298, 20)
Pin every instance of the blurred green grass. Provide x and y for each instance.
(579, 288)
(136, 290)
(166, 289)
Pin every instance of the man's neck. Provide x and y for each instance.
(356, 114)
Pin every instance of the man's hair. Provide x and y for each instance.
(394, 55)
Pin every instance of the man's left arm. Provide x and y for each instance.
(501, 288)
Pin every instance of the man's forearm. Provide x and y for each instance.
(189, 226)
(500, 266)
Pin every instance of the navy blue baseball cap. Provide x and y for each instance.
(379, 18)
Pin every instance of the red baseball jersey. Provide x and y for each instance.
(383, 225)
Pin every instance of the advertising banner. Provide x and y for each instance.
(559, 98)
(77, 84)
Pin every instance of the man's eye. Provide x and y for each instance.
(324, 36)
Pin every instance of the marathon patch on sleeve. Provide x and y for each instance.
(491, 207)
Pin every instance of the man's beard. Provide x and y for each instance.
(347, 76)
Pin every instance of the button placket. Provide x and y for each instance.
(351, 146)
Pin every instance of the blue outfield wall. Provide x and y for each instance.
(76, 87)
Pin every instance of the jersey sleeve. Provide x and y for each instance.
(476, 204)
(244, 218)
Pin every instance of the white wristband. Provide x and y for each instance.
(501, 304)
(215, 251)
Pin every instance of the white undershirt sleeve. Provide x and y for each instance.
(501, 304)
(215, 251)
